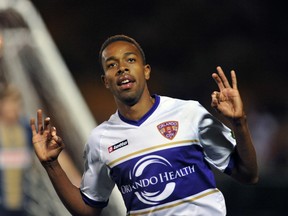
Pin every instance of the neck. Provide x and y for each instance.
(138, 110)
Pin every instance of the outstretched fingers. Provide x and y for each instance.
(47, 123)
(33, 126)
(47, 144)
(40, 128)
(39, 121)
(222, 81)
(234, 80)
(223, 78)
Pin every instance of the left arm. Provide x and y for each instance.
(228, 102)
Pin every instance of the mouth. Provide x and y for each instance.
(126, 82)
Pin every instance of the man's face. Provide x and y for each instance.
(125, 74)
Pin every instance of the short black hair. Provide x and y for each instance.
(121, 37)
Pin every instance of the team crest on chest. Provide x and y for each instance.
(168, 129)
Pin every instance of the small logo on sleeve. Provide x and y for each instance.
(117, 146)
(168, 129)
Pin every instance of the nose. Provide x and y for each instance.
(122, 70)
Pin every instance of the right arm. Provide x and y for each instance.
(48, 146)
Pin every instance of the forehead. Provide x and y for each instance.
(119, 48)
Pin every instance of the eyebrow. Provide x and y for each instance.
(125, 54)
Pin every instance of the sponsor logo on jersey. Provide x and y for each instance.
(158, 186)
(168, 129)
(117, 146)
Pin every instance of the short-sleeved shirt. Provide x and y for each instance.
(161, 164)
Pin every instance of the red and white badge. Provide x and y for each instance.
(168, 129)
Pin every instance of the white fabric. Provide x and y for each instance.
(160, 173)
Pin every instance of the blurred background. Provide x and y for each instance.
(183, 41)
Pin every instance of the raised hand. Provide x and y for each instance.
(227, 100)
(47, 144)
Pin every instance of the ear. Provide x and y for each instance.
(104, 81)
(147, 71)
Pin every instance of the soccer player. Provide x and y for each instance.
(157, 150)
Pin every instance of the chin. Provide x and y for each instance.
(129, 99)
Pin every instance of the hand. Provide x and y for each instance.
(227, 100)
(47, 144)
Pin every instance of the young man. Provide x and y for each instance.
(157, 150)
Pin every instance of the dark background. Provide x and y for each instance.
(184, 41)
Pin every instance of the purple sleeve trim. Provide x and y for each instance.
(93, 203)
(230, 166)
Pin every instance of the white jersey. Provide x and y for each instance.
(161, 163)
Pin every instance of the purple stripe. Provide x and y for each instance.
(146, 116)
(93, 203)
(182, 169)
(231, 165)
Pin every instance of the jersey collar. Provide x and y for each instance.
(146, 116)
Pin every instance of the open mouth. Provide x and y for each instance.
(126, 81)
(126, 84)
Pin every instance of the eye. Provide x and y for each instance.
(131, 60)
(111, 65)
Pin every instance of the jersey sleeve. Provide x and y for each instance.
(217, 141)
(96, 185)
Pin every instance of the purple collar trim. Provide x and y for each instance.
(146, 116)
